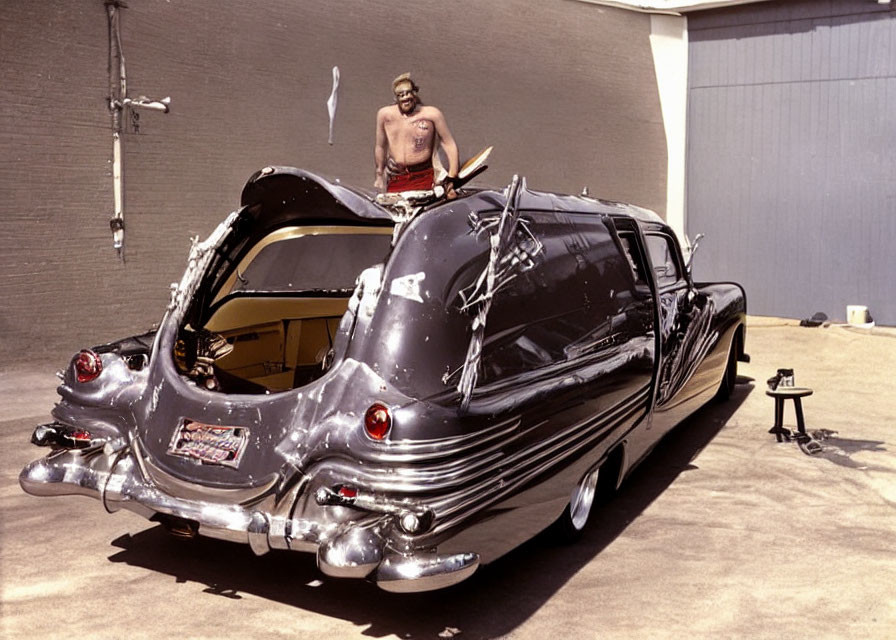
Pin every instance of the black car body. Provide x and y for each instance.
(501, 358)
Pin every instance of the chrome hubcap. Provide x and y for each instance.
(581, 500)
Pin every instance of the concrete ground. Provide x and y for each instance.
(721, 533)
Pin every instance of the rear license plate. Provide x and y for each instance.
(209, 443)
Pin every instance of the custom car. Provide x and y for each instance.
(406, 385)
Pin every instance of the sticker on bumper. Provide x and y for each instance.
(209, 444)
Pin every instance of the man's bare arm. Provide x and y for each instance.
(448, 143)
(380, 150)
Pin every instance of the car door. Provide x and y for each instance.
(684, 317)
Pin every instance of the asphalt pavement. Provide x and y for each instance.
(720, 533)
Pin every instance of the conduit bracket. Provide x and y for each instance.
(119, 101)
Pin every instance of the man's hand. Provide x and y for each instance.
(380, 182)
(448, 183)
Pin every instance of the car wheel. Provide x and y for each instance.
(726, 387)
(571, 524)
(581, 500)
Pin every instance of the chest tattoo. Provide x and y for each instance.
(422, 134)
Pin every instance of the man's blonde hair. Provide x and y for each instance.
(404, 77)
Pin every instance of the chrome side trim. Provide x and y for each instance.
(456, 508)
(482, 478)
(435, 448)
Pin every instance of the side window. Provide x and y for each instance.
(662, 256)
(562, 308)
(542, 343)
(633, 255)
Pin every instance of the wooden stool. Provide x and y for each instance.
(780, 395)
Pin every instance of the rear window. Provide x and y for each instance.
(297, 259)
(313, 262)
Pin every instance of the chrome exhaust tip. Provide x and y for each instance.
(177, 527)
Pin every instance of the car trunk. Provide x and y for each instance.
(256, 329)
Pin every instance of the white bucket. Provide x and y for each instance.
(857, 314)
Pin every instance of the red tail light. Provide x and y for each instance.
(348, 492)
(88, 365)
(75, 438)
(377, 421)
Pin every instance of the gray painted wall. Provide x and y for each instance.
(791, 154)
(565, 91)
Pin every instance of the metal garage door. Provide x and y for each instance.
(792, 154)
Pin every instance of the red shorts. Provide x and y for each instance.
(411, 180)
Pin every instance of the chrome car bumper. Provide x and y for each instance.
(124, 479)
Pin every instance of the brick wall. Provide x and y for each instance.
(565, 91)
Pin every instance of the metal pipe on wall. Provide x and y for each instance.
(118, 102)
(118, 89)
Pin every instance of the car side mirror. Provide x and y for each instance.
(692, 249)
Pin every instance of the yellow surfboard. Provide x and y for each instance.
(473, 167)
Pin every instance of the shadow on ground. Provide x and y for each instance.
(496, 600)
(839, 451)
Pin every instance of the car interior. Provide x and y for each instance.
(274, 320)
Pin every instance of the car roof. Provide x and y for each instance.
(277, 186)
(485, 199)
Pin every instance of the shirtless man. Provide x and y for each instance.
(406, 141)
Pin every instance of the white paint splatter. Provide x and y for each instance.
(408, 286)
(332, 102)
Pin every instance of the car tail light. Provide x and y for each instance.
(339, 494)
(88, 365)
(75, 438)
(58, 435)
(377, 421)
